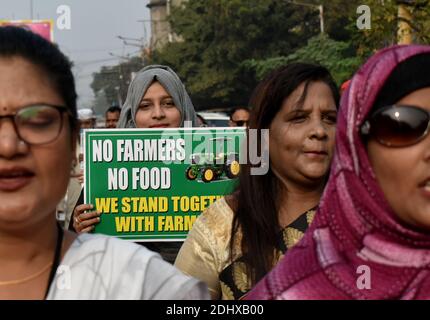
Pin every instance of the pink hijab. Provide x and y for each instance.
(355, 233)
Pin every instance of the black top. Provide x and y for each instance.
(234, 279)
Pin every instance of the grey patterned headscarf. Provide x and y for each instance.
(141, 82)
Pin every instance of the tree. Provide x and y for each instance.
(340, 18)
(218, 35)
(338, 14)
(343, 57)
(337, 56)
(113, 81)
(100, 103)
(383, 31)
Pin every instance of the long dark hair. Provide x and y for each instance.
(256, 199)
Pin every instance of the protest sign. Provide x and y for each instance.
(151, 184)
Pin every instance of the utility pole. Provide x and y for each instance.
(404, 30)
(315, 6)
(146, 45)
(31, 9)
(168, 8)
(321, 8)
(138, 42)
(120, 76)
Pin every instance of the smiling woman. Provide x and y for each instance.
(38, 132)
(156, 98)
(157, 109)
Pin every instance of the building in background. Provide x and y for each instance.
(161, 32)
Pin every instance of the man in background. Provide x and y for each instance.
(112, 117)
(239, 117)
(87, 119)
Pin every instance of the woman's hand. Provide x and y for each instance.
(85, 221)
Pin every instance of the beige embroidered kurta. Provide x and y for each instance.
(205, 253)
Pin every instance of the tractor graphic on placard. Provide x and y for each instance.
(208, 167)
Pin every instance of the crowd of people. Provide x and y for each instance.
(348, 186)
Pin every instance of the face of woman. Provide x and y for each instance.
(33, 178)
(404, 173)
(302, 137)
(157, 109)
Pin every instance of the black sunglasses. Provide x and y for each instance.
(398, 125)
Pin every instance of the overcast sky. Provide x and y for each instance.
(95, 25)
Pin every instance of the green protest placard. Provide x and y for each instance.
(151, 184)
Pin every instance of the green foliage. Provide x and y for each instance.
(100, 103)
(218, 35)
(334, 55)
(337, 15)
(384, 26)
(227, 46)
(421, 23)
(383, 30)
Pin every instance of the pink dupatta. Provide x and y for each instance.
(355, 232)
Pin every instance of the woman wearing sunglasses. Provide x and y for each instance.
(370, 238)
(38, 133)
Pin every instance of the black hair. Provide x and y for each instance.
(409, 75)
(17, 41)
(234, 110)
(113, 109)
(204, 122)
(257, 197)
